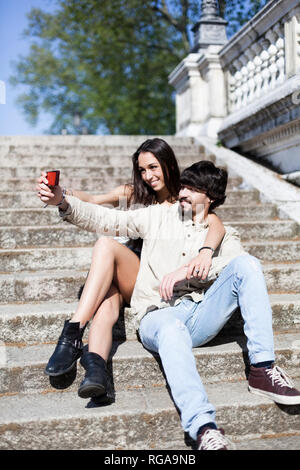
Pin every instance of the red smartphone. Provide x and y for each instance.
(53, 177)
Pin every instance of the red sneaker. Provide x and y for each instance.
(274, 384)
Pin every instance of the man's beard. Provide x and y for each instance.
(187, 200)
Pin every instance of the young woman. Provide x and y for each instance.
(110, 283)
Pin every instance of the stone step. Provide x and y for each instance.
(29, 199)
(77, 172)
(93, 142)
(60, 285)
(60, 159)
(56, 152)
(282, 277)
(223, 359)
(289, 441)
(274, 251)
(276, 441)
(137, 419)
(80, 172)
(250, 211)
(34, 259)
(34, 323)
(36, 237)
(100, 185)
(266, 229)
(102, 181)
(35, 302)
(18, 217)
(66, 235)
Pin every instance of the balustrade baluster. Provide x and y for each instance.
(278, 29)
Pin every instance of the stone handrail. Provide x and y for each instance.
(259, 57)
(258, 70)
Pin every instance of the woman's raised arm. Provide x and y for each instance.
(113, 197)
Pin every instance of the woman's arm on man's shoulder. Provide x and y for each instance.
(114, 197)
(216, 231)
(200, 265)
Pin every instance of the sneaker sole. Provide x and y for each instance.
(282, 400)
(91, 391)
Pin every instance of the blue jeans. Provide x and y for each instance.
(172, 332)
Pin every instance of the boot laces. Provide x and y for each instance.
(213, 439)
(280, 377)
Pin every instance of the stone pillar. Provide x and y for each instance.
(292, 44)
(199, 80)
(191, 96)
(216, 106)
(211, 29)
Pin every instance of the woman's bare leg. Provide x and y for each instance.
(100, 334)
(111, 262)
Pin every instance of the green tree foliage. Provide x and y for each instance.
(108, 62)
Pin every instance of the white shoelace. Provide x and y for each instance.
(213, 439)
(278, 376)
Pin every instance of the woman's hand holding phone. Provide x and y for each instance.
(51, 194)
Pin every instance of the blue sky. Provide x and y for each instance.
(13, 21)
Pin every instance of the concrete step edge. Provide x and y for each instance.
(59, 285)
(19, 356)
(280, 266)
(28, 308)
(258, 206)
(137, 419)
(65, 226)
(132, 366)
(35, 323)
(16, 260)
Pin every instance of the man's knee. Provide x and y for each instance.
(163, 328)
(174, 332)
(153, 323)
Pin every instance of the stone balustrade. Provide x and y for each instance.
(259, 69)
(246, 91)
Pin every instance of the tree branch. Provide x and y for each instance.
(181, 26)
(166, 14)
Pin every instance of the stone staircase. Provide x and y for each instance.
(43, 263)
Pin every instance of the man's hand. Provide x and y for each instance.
(169, 281)
(51, 196)
(199, 266)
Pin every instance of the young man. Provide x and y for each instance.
(176, 310)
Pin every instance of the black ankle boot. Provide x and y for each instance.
(67, 351)
(94, 383)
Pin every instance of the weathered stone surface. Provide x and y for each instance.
(223, 359)
(39, 216)
(62, 285)
(138, 419)
(44, 262)
(29, 323)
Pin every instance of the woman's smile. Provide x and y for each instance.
(151, 171)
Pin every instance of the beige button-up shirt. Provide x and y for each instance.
(169, 241)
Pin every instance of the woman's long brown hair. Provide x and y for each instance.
(142, 192)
